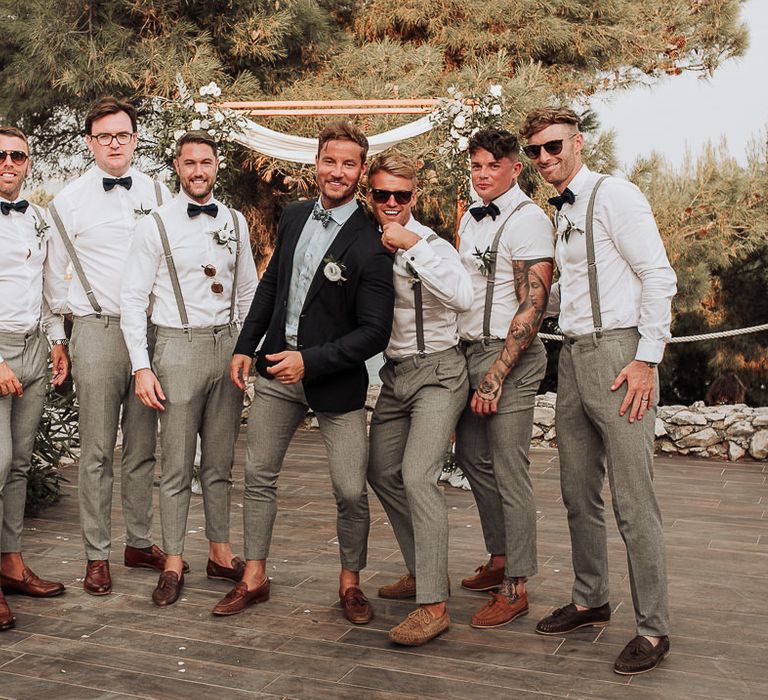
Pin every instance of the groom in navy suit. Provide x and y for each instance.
(323, 307)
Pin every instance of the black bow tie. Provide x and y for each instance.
(194, 210)
(110, 182)
(324, 216)
(20, 206)
(481, 212)
(566, 196)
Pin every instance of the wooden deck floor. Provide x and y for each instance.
(298, 646)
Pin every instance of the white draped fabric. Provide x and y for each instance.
(300, 149)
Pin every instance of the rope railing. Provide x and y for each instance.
(690, 338)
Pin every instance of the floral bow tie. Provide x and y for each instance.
(324, 216)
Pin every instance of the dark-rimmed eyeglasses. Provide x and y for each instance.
(382, 196)
(210, 271)
(17, 157)
(554, 148)
(122, 137)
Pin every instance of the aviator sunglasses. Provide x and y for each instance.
(382, 196)
(18, 157)
(210, 271)
(553, 147)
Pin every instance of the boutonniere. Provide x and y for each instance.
(565, 227)
(141, 211)
(334, 270)
(41, 232)
(484, 260)
(413, 276)
(224, 237)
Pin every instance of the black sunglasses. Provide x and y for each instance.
(553, 147)
(382, 196)
(18, 157)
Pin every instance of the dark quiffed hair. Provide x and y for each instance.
(543, 117)
(498, 142)
(106, 106)
(343, 130)
(13, 131)
(198, 136)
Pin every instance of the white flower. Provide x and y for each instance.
(204, 90)
(218, 117)
(332, 272)
(195, 125)
(496, 110)
(223, 164)
(212, 132)
(463, 143)
(205, 124)
(460, 121)
(201, 107)
(478, 263)
(451, 90)
(169, 151)
(495, 90)
(215, 90)
(178, 134)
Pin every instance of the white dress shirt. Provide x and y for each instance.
(635, 279)
(100, 225)
(193, 247)
(21, 275)
(528, 235)
(446, 292)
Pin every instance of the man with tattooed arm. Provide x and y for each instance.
(507, 247)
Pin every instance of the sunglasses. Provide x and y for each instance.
(554, 148)
(382, 196)
(122, 138)
(18, 157)
(216, 286)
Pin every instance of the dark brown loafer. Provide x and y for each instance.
(226, 573)
(640, 656)
(168, 589)
(239, 598)
(355, 606)
(154, 559)
(97, 579)
(485, 578)
(7, 620)
(31, 584)
(571, 618)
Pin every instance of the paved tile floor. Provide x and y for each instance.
(298, 646)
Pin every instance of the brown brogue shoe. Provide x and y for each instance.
(403, 588)
(239, 598)
(97, 579)
(485, 578)
(135, 557)
(7, 620)
(355, 606)
(500, 610)
(168, 588)
(419, 628)
(226, 573)
(31, 584)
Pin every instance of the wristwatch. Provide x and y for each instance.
(60, 341)
(652, 365)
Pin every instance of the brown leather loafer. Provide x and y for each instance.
(500, 610)
(31, 584)
(355, 606)
(239, 598)
(154, 559)
(226, 573)
(569, 618)
(7, 620)
(97, 579)
(168, 589)
(640, 656)
(402, 589)
(485, 578)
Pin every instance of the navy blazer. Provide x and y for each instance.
(341, 325)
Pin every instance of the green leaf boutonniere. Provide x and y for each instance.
(565, 227)
(41, 231)
(484, 260)
(141, 211)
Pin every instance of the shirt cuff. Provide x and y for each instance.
(650, 350)
(418, 254)
(55, 329)
(139, 359)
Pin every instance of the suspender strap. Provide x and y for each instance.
(236, 222)
(158, 193)
(491, 283)
(173, 274)
(594, 289)
(75, 259)
(419, 307)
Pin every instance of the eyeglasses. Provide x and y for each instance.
(122, 137)
(18, 157)
(553, 147)
(216, 286)
(382, 196)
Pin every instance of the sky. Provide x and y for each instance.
(687, 111)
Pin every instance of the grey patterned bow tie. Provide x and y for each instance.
(324, 216)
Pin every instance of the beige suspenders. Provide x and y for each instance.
(594, 289)
(419, 307)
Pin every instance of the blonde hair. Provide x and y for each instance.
(394, 163)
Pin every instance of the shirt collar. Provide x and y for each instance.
(579, 180)
(341, 213)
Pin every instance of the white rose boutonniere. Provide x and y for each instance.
(41, 232)
(565, 227)
(224, 236)
(334, 270)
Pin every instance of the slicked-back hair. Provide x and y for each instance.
(198, 136)
(394, 163)
(15, 132)
(543, 117)
(500, 143)
(343, 130)
(110, 105)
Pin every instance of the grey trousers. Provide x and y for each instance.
(493, 454)
(193, 371)
(417, 409)
(26, 355)
(101, 369)
(593, 439)
(275, 413)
